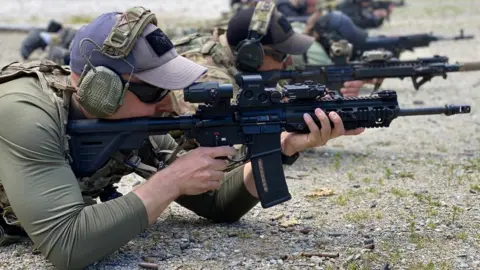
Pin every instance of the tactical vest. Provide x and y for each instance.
(54, 80)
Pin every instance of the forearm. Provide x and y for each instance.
(156, 194)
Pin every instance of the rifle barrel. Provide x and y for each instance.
(469, 66)
(447, 110)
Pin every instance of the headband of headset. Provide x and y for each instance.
(261, 19)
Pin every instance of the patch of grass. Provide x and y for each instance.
(422, 266)
(406, 175)
(330, 267)
(337, 161)
(244, 235)
(362, 215)
(418, 239)
(475, 187)
(207, 244)
(371, 256)
(372, 190)
(356, 266)
(367, 180)
(430, 266)
(341, 200)
(456, 211)
(431, 225)
(441, 149)
(395, 256)
(357, 217)
(461, 236)
(388, 172)
(432, 212)
(350, 176)
(399, 192)
(473, 164)
(387, 143)
(427, 199)
(381, 182)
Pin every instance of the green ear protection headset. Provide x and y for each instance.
(249, 52)
(101, 90)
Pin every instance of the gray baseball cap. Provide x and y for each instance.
(154, 57)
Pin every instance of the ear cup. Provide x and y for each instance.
(100, 91)
(249, 55)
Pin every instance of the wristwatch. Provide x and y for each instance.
(289, 160)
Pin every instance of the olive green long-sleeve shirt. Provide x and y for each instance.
(46, 197)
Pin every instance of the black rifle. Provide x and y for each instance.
(399, 44)
(256, 121)
(420, 70)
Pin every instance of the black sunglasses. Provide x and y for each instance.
(147, 93)
(276, 55)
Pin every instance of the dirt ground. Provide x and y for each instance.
(403, 197)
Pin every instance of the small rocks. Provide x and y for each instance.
(278, 216)
(418, 102)
(138, 182)
(184, 246)
(232, 234)
(148, 265)
(234, 263)
(306, 230)
(336, 234)
(368, 241)
(316, 259)
(289, 223)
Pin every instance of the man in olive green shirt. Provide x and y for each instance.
(54, 206)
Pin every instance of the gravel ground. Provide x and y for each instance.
(406, 196)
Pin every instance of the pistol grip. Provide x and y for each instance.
(266, 160)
